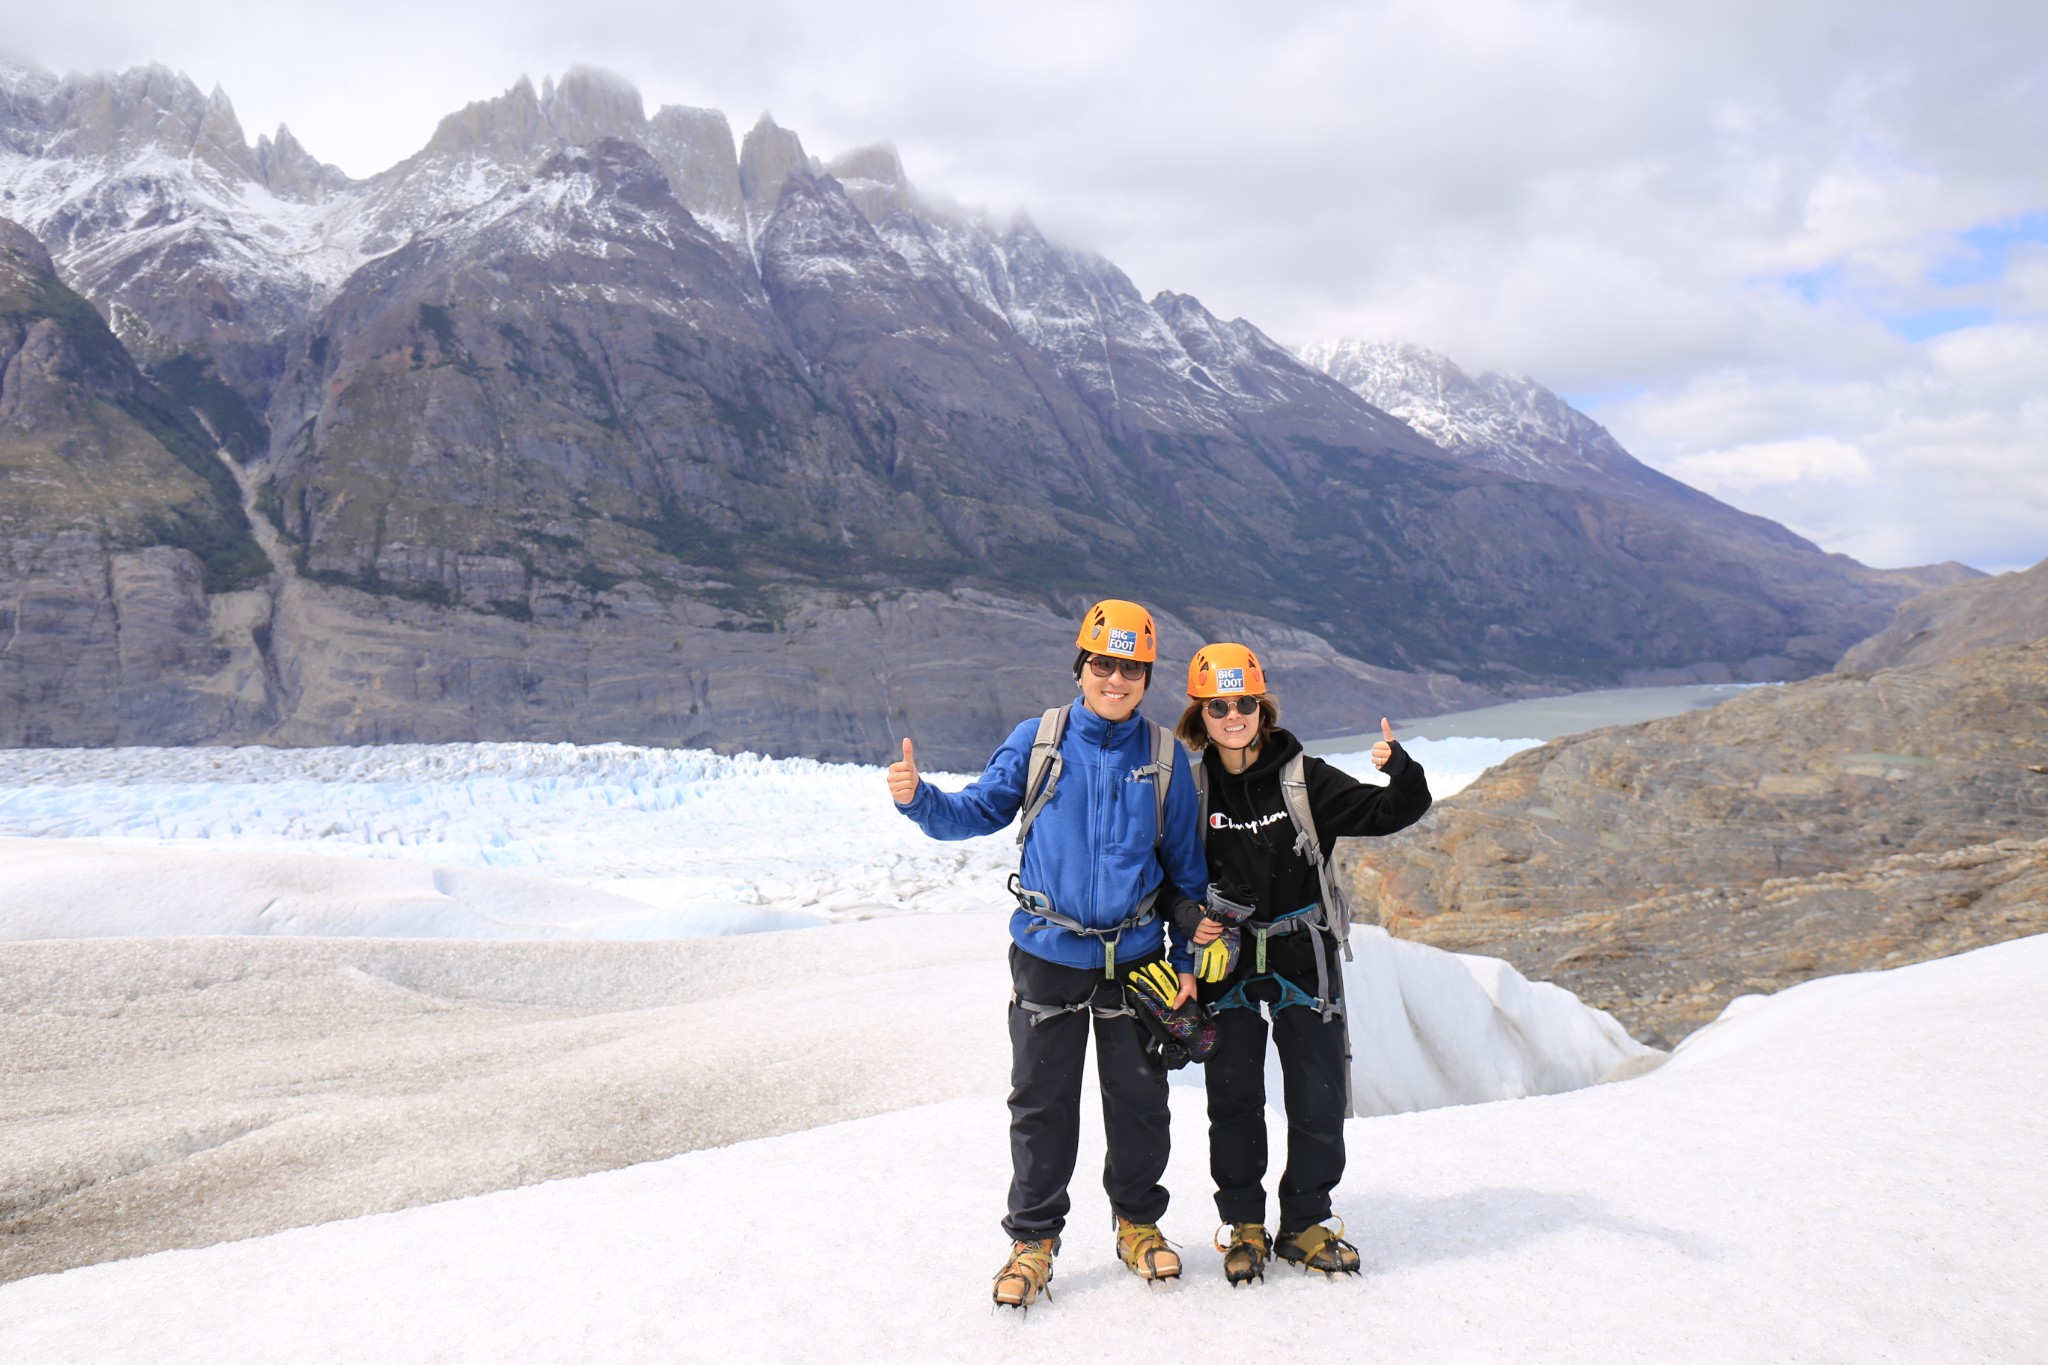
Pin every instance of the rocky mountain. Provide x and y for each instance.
(1505, 422)
(122, 535)
(1843, 823)
(1951, 622)
(584, 423)
(1515, 426)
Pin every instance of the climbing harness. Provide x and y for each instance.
(1336, 920)
(1041, 778)
(1040, 1013)
(1309, 917)
(1331, 913)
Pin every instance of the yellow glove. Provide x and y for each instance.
(1157, 979)
(1219, 955)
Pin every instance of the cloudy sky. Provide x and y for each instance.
(1793, 253)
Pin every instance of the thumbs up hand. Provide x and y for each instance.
(1381, 751)
(903, 777)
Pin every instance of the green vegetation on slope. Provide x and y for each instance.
(216, 530)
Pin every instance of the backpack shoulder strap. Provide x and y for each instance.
(1163, 747)
(1198, 770)
(1042, 773)
(1294, 795)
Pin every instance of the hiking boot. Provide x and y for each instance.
(1026, 1274)
(1141, 1247)
(1246, 1253)
(1317, 1247)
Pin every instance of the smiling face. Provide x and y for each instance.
(1114, 697)
(1234, 730)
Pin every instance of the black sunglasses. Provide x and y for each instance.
(1220, 707)
(1102, 666)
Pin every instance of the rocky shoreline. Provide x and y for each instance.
(1846, 823)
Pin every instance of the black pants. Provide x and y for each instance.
(1312, 1071)
(1046, 1064)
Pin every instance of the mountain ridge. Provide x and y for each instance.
(516, 384)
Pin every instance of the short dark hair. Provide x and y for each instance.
(1195, 734)
(1081, 662)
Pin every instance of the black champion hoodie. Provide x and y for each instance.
(1251, 840)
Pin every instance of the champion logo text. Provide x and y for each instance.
(1218, 820)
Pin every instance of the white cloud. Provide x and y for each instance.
(1744, 469)
(1943, 455)
(2023, 291)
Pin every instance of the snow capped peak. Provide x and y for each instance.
(123, 172)
(1507, 421)
(24, 80)
(124, 115)
(1420, 386)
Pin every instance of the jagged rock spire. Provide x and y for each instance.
(767, 158)
(873, 179)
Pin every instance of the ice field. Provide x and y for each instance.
(630, 842)
(481, 1052)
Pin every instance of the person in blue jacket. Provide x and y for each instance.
(1105, 858)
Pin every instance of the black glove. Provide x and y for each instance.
(1181, 1035)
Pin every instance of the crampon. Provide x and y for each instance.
(1026, 1275)
(1317, 1247)
(1142, 1248)
(1246, 1253)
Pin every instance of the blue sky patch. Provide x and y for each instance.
(1591, 400)
(1966, 264)
(1986, 251)
(1933, 322)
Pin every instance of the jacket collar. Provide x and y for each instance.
(1095, 730)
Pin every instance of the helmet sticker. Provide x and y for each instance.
(1123, 642)
(1230, 680)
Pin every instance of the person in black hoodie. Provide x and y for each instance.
(1266, 939)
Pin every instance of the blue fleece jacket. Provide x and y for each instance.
(1091, 849)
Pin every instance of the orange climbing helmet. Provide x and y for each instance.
(1120, 629)
(1225, 670)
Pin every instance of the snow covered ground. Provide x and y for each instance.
(1847, 1171)
(250, 989)
(397, 987)
(177, 1092)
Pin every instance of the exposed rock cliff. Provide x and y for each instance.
(121, 536)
